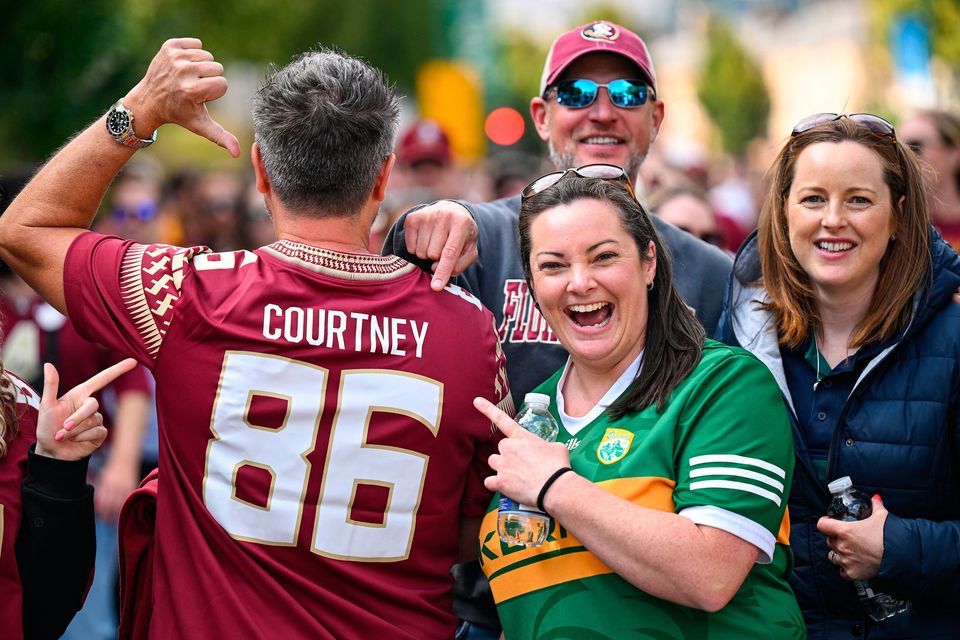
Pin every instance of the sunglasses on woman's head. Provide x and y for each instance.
(598, 171)
(626, 94)
(876, 124)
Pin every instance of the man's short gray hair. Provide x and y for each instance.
(324, 124)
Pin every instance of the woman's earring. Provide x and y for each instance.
(650, 286)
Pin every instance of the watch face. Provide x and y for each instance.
(118, 122)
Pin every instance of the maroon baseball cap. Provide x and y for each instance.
(598, 36)
(424, 141)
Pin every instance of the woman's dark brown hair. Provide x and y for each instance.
(674, 340)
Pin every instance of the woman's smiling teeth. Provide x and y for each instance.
(595, 314)
(834, 246)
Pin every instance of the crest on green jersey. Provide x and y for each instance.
(614, 445)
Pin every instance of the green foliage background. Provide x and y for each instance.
(65, 62)
(732, 90)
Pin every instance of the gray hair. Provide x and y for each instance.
(324, 124)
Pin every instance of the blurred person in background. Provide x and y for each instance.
(47, 536)
(176, 204)
(511, 171)
(218, 218)
(844, 293)
(133, 204)
(598, 103)
(425, 160)
(935, 137)
(33, 332)
(686, 207)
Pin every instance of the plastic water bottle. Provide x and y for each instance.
(849, 505)
(520, 524)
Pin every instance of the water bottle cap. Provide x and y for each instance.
(840, 484)
(541, 399)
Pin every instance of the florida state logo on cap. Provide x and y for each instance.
(603, 31)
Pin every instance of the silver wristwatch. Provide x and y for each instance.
(120, 126)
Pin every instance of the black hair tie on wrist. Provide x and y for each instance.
(549, 483)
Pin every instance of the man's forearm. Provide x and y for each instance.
(56, 206)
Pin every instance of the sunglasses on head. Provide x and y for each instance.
(597, 171)
(876, 124)
(626, 94)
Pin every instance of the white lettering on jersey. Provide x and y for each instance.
(328, 327)
(522, 321)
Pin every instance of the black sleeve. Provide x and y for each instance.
(56, 544)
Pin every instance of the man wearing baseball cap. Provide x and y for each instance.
(598, 103)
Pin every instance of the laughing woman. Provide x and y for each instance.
(668, 484)
(845, 294)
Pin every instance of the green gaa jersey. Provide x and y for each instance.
(720, 454)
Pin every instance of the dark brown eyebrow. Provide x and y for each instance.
(597, 245)
(591, 248)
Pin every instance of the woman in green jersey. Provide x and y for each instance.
(668, 483)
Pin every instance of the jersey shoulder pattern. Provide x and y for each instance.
(342, 265)
(151, 279)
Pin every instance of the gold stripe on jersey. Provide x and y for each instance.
(515, 571)
(568, 560)
(350, 266)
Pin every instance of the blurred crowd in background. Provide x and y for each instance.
(699, 186)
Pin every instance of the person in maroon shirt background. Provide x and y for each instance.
(46, 507)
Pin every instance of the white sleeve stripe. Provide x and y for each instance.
(753, 462)
(735, 524)
(733, 471)
(741, 486)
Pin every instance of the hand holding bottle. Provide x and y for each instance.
(856, 547)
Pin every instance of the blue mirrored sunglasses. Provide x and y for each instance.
(626, 94)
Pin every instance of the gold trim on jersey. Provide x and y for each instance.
(514, 571)
(254, 393)
(350, 266)
(255, 465)
(353, 499)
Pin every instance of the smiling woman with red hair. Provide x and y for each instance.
(845, 294)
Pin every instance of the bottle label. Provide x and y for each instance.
(506, 504)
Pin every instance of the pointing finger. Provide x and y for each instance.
(500, 419)
(102, 379)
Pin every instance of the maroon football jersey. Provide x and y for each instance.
(318, 442)
(13, 467)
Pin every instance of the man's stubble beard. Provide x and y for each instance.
(563, 161)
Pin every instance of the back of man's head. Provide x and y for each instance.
(324, 124)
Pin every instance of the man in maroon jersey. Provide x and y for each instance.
(320, 459)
